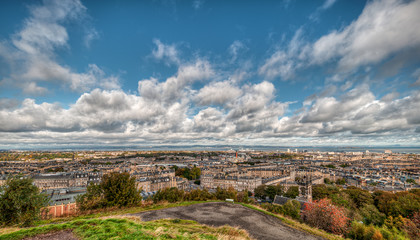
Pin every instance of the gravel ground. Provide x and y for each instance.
(259, 225)
(61, 235)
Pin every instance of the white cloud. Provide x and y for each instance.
(284, 62)
(279, 64)
(167, 53)
(30, 53)
(235, 48)
(254, 116)
(91, 35)
(175, 88)
(217, 93)
(328, 3)
(384, 27)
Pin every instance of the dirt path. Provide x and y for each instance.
(259, 225)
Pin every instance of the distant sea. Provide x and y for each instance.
(376, 149)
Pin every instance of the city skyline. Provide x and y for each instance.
(275, 73)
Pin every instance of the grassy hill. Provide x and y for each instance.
(132, 228)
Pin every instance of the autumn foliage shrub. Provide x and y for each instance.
(324, 215)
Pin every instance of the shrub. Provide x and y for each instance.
(359, 231)
(172, 195)
(198, 195)
(324, 215)
(243, 197)
(371, 215)
(20, 202)
(115, 189)
(120, 190)
(292, 209)
(273, 208)
(412, 229)
(223, 194)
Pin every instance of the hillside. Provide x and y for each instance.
(127, 228)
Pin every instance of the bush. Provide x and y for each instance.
(359, 231)
(371, 215)
(412, 229)
(120, 190)
(115, 189)
(198, 195)
(223, 194)
(324, 215)
(20, 202)
(172, 195)
(273, 208)
(243, 197)
(292, 209)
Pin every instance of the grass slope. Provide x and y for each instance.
(132, 228)
(118, 211)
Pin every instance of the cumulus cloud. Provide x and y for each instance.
(383, 29)
(30, 53)
(218, 93)
(175, 87)
(109, 116)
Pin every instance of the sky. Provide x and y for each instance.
(148, 73)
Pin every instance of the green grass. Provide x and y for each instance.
(119, 211)
(296, 224)
(132, 228)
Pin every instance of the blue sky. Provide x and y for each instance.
(277, 73)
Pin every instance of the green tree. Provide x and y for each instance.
(371, 215)
(327, 181)
(322, 191)
(260, 191)
(340, 181)
(92, 199)
(292, 192)
(405, 204)
(20, 201)
(243, 197)
(359, 196)
(120, 190)
(195, 173)
(271, 191)
(383, 200)
(115, 189)
(411, 181)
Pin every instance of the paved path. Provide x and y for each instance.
(259, 225)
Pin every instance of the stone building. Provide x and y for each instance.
(225, 182)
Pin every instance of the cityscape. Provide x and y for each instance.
(201, 119)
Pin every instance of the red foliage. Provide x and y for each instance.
(412, 226)
(324, 215)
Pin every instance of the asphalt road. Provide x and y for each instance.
(259, 225)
